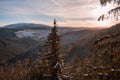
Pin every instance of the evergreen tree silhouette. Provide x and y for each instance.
(51, 55)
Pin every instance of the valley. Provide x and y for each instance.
(18, 41)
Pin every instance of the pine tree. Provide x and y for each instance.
(51, 56)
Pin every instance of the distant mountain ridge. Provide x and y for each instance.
(35, 31)
(82, 48)
(31, 36)
(20, 39)
(25, 25)
(75, 41)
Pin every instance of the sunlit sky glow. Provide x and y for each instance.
(77, 13)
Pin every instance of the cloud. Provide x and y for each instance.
(67, 12)
(43, 6)
(81, 19)
(56, 3)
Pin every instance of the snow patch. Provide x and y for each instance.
(35, 34)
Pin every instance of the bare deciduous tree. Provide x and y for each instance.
(115, 12)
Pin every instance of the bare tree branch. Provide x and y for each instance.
(104, 2)
(115, 12)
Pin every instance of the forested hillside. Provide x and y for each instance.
(102, 64)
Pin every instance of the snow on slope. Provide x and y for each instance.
(35, 34)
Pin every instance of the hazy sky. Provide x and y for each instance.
(67, 12)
